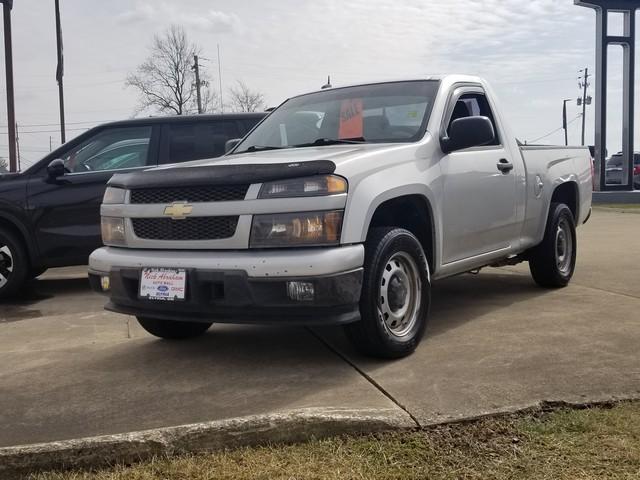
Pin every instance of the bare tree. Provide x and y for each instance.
(4, 165)
(243, 99)
(165, 80)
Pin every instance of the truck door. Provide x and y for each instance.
(479, 202)
(66, 211)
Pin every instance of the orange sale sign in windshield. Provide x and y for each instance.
(351, 119)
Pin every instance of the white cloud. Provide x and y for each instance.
(214, 21)
(142, 12)
(160, 13)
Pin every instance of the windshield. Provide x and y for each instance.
(386, 112)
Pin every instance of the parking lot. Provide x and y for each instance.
(495, 342)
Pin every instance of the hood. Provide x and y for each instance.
(338, 154)
(254, 167)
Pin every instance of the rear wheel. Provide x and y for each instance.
(14, 264)
(173, 330)
(395, 296)
(553, 261)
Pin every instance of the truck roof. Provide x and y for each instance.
(448, 78)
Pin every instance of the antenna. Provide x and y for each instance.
(328, 84)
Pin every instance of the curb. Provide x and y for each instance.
(293, 426)
(287, 427)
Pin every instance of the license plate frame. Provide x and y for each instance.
(161, 284)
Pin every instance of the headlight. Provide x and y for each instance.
(114, 195)
(112, 231)
(296, 229)
(304, 187)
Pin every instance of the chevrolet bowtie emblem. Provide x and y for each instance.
(178, 210)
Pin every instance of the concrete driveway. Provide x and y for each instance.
(496, 342)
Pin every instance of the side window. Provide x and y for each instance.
(182, 142)
(193, 141)
(214, 136)
(110, 149)
(249, 123)
(474, 105)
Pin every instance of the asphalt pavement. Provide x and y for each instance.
(496, 342)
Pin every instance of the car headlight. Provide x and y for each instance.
(112, 230)
(114, 195)
(296, 229)
(304, 187)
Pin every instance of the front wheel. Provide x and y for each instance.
(395, 295)
(14, 264)
(553, 261)
(173, 330)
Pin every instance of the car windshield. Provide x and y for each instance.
(385, 112)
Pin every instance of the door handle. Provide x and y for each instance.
(504, 165)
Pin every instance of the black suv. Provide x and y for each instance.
(50, 213)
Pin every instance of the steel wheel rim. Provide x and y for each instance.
(399, 294)
(6, 264)
(564, 247)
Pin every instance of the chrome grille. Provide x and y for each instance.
(192, 228)
(205, 193)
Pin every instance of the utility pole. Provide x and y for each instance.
(564, 120)
(49, 142)
(18, 147)
(220, 80)
(8, 62)
(196, 68)
(60, 70)
(584, 84)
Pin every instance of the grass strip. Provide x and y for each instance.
(594, 443)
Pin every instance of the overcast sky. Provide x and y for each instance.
(530, 51)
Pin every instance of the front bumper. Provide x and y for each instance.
(238, 287)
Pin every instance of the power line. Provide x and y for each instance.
(39, 88)
(49, 131)
(58, 123)
(556, 130)
(546, 80)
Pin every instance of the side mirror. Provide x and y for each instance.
(56, 169)
(468, 132)
(230, 144)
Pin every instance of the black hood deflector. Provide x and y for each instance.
(220, 174)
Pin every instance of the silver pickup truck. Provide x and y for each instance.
(342, 207)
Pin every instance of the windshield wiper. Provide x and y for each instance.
(260, 148)
(331, 141)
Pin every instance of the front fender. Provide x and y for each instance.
(368, 193)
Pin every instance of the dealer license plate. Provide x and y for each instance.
(163, 283)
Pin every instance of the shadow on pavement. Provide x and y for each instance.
(146, 383)
(456, 301)
(51, 296)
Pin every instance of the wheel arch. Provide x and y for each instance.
(18, 229)
(407, 211)
(567, 193)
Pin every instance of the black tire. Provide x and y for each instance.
(173, 330)
(553, 261)
(14, 264)
(375, 334)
